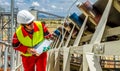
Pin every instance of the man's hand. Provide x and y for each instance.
(32, 51)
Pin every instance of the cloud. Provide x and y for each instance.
(35, 4)
(20, 1)
(43, 9)
(22, 5)
(5, 3)
(59, 7)
(53, 6)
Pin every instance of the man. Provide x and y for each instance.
(29, 34)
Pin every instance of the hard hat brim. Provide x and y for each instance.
(30, 20)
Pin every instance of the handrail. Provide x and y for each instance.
(18, 66)
(5, 59)
(15, 67)
(5, 43)
(5, 54)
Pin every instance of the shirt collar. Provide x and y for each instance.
(25, 33)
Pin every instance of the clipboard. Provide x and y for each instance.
(42, 45)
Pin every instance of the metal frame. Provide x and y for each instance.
(91, 51)
(95, 48)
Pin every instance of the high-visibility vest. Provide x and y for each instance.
(27, 41)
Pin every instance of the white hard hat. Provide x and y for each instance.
(24, 17)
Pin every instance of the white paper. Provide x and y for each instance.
(40, 46)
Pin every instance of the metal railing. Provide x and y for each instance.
(7, 58)
(90, 52)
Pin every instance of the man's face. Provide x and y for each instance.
(30, 26)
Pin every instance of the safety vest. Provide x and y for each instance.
(27, 41)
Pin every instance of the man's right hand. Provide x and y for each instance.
(31, 51)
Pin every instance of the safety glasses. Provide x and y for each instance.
(29, 23)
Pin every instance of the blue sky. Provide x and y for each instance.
(58, 7)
